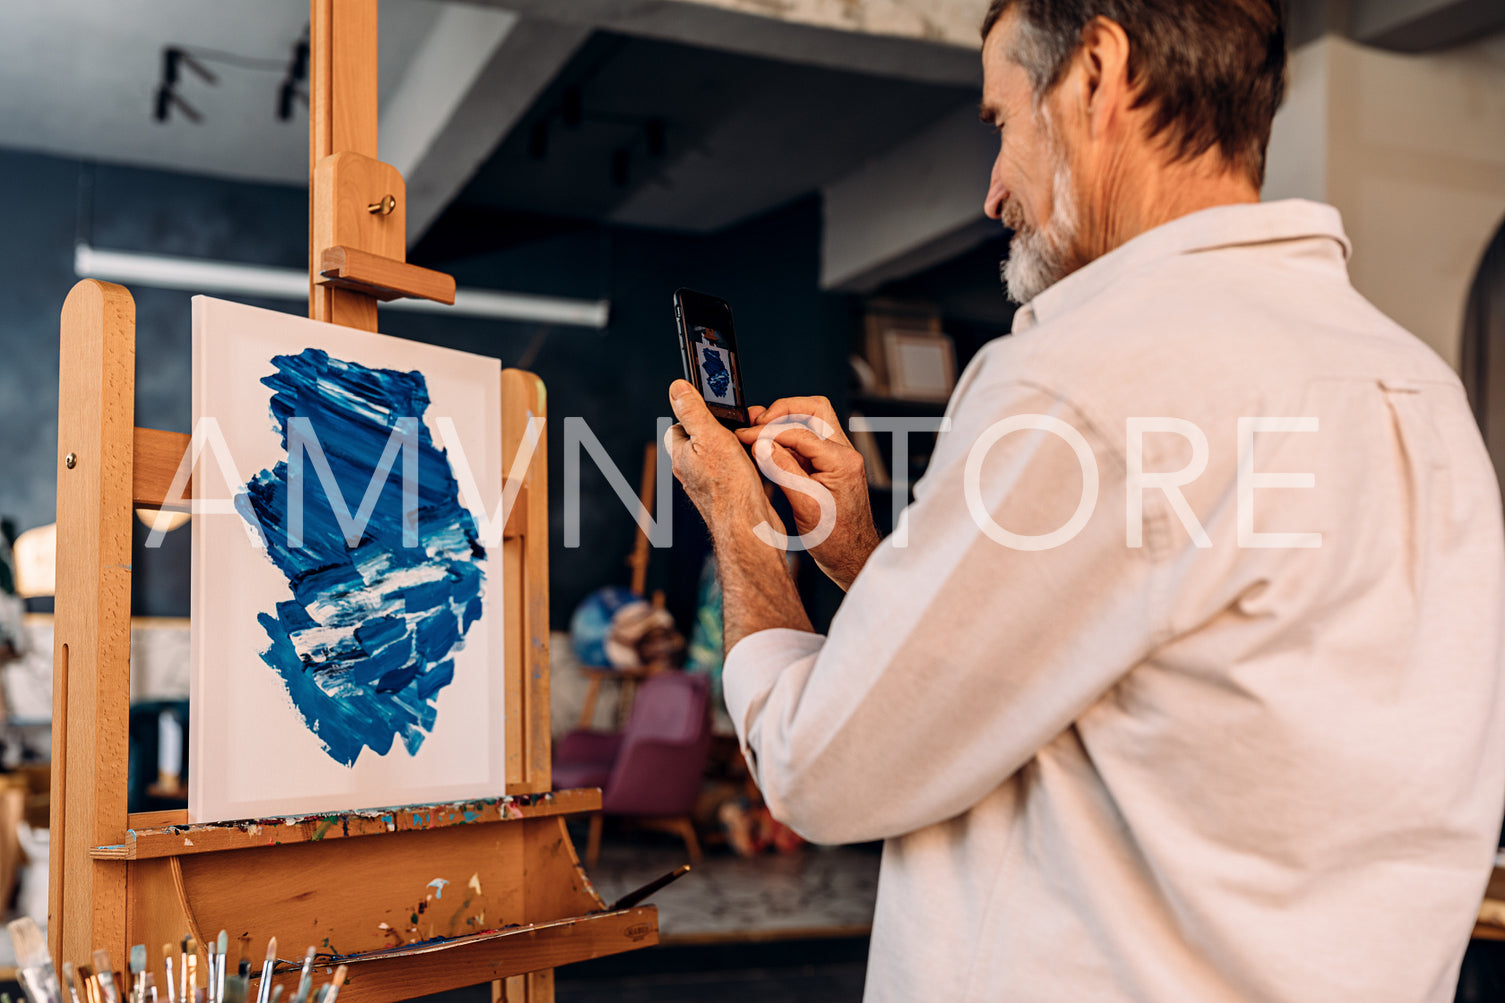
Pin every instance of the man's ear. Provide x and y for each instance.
(1104, 64)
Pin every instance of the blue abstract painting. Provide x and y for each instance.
(379, 606)
(716, 375)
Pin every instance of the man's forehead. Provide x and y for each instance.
(1002, 77)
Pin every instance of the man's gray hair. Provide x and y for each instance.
(1213, 72)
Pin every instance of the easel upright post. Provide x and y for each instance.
(92, 623)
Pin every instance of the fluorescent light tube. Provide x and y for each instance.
(194, 274)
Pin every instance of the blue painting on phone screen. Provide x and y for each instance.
(364, 646)
(716, 375)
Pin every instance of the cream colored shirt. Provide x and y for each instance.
(1240, 742)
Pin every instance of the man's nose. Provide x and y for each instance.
(998, 193)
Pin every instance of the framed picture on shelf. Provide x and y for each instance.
(921, 364)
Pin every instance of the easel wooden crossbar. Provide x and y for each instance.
(349, 883)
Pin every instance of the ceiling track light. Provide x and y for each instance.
(176, 57)
(168, 99)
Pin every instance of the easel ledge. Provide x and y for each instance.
(170, 834)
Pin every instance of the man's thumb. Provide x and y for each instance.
(688, 407)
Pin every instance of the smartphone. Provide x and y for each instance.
(708, 348)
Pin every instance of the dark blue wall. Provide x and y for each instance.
(793, 337)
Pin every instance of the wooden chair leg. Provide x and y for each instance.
(593, 844)
(686, 829)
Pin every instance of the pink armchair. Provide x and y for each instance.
(652, 769)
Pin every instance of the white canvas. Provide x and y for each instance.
(260, 745)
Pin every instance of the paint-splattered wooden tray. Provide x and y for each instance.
(167, 834)
(433, 896)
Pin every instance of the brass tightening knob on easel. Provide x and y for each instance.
(384, 207)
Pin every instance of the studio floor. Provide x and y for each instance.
(814, 892)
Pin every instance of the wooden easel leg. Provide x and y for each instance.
(588, 709)
(686, 829)
(593, 844)
(535, 987)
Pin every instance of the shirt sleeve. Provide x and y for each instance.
(958, 652)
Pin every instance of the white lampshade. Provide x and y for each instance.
(35, 552)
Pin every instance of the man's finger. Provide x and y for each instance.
(818, 407)
(780, 457)
(689, 407)
(822, 453)
(674, 437)
(753, 411)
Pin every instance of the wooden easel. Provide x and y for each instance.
(350, 883)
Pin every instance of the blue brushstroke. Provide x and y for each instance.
(365, 645)
(715, 371)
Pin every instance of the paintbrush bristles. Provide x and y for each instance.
(264, 990)
(35, 972)
(335, 983)
(31, 946)
(306, 977)
(70, 982)
(104, 972)
(167, 964)
(91, 984)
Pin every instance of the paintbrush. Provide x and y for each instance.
(335, 983)
(106, 980)
(263, 991)
(138, 973)
(91, 984)
(322, 995)
(211, 970)
(36, 974)
(222, 944)
(211, 976)
(276, 994)
(172, 996)
(236, 988)
(70, 982)
(306, 979)
(190, 970)
(149, 986)
(243, 958)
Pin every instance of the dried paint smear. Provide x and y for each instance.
(365, 645)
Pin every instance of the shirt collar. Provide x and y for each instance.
(1220, 226)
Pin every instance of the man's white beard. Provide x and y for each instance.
(1041, 257)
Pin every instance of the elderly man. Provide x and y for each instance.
(1180, 679)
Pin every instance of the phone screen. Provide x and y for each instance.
(708, 348)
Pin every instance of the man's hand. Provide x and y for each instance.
(822, 474)
(714, 467)
(717, 474)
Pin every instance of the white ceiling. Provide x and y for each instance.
(78, 79)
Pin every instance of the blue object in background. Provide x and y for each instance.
(364, 646)
(591, 624)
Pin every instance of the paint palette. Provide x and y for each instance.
(346, 626)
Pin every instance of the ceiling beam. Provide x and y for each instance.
(916, 206)
(476, 75)
(1423, 25)
(929, 41)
